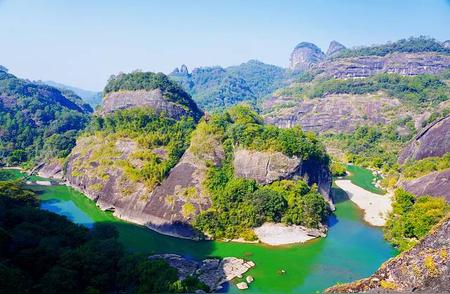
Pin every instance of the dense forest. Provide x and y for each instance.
(41, 252)
(240, 204)
(216, 88)
(37, 121)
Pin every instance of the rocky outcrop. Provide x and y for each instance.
(425, 268)
(304, 56)
(264, 167)
(407, 64)
(52, 169)
(267, 167)
(434, 184)
(142, 98)
(212, 272)
(335, 48)
(337, 113)
(433, 140)
(168, 208)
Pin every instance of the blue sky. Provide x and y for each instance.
(83, 42)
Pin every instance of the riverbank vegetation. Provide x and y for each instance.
(240, 204)
(41, 252)
(412, 218)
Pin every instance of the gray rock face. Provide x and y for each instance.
(267, 167)
(433, 140)
(304, 56)
(337, 113)
(334, 48)
(51, 170)
(425, 268)
(264, 167)
(168, 208)
(434, 184)
(142, 98)
(212, 272)
(407, 64)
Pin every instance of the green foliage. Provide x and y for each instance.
(338, 169)
(37, 121)
(45, 253)
(417, 168)
(420, 90)
(138, 80)
(240, 204)
(412, 218)
(216, 88)
(410, 45)
(150, 131)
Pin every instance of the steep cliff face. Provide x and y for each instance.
(433, 140)
(339, 113)
(143, 98)
(425, 268)
(168, 208)
(407, 64)
(267, 167)
(304, 56)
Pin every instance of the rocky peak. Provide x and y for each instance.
(2, 68)
(446, 44)
(305, 55)
(334, 48)
(184, 69)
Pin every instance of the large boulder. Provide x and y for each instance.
(433, 140)
(434, 184)
(267, 167)
(422, 269)
(304, 56)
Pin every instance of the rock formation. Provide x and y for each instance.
(407, 64)
(337, 113)
(422, 269)
(433, 140)
(335, 48)
(142, 98)
(212, 272)
(304, 56)
(434, 184)
(167, 209)
(267, 167)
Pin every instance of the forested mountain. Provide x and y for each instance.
(215, 88)
(37, 121)
(91, 97)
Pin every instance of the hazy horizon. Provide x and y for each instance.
(81, 43)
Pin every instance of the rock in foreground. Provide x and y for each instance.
(212, 272)
(423, 269)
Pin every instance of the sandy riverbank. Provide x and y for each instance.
(376, 207)
(280, 234)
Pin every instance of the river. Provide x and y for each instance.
(352, 249)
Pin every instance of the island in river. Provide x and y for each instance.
(352, 249)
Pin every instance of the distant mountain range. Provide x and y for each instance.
(92, 98)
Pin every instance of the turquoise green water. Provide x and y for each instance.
(351, 250)
(363, 178)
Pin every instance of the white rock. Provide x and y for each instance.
(44, 183)
(242, 285)
(249, 279)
